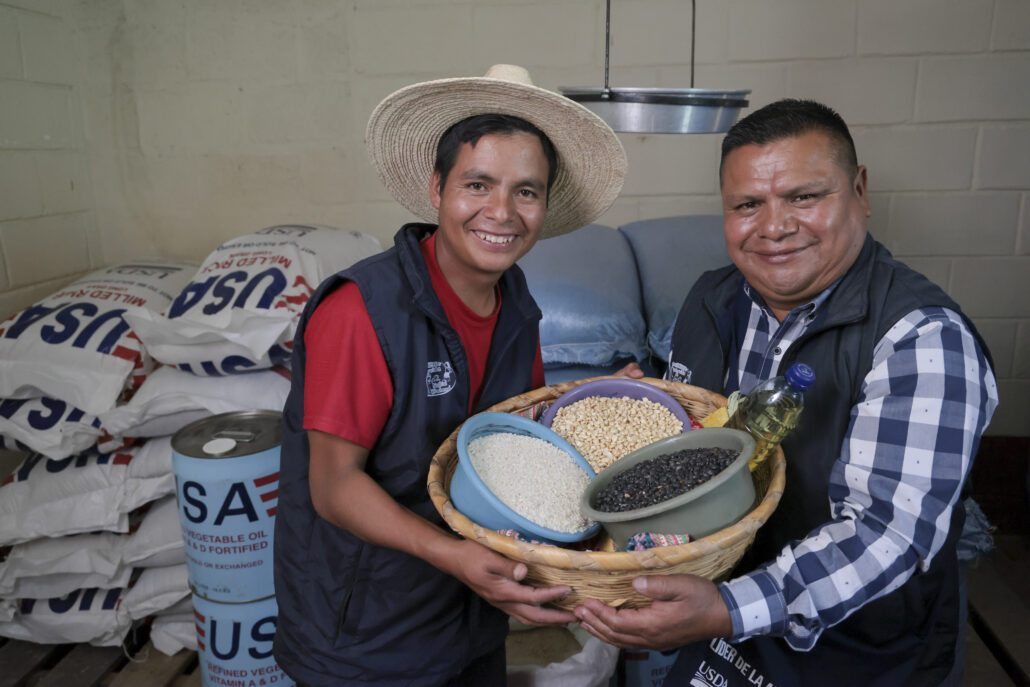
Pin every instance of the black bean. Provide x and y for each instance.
(661, 478)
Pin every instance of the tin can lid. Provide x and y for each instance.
(230, 435)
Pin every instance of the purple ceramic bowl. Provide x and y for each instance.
(617, 388)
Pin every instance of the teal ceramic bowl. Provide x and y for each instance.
(708, 508)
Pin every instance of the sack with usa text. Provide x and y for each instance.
(241, 309)
(77, 346)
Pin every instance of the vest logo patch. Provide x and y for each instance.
(678, 372)
(440, 378)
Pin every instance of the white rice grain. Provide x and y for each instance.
(533, 477)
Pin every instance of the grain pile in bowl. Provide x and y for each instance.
(533, 477)
(604, 429)
(663, 477)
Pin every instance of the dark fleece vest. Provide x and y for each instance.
(906, 637)
(352, 612)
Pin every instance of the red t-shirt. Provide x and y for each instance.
(348, 391)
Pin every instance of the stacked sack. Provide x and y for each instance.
(94, 381)
(71, 357)
(241, 309)
(81, 516)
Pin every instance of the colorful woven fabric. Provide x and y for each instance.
(535, 412)
(649, 540)
(601, 542)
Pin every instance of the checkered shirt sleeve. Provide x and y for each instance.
(908, 449)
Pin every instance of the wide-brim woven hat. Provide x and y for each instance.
(405, 129)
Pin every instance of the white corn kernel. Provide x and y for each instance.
(604, 429)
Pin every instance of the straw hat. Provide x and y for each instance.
(405, 128)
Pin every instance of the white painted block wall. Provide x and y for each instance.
(143, 127)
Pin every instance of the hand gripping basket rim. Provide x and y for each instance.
(607, 575)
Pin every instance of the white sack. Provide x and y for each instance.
(85, 615)
(171, 633)
(158, 541)
(77, 346)
(83, 493)
(591, 667)
(180, 607)
(155, 590)
(54, 566)
(241, 309)
(60, 584)
(47, 425)
(170, 399)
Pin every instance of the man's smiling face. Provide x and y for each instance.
(492, 204)
(793, 215)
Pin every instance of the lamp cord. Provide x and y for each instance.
(608, 40)
(693, 25)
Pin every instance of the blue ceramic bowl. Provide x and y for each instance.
(617, 388)
(474, 500)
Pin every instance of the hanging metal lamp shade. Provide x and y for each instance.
(661, 110)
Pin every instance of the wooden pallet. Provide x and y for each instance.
(25, 664)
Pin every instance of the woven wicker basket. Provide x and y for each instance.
(604, 575)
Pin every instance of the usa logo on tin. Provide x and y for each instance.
(270, 484)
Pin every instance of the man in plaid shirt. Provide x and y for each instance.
(854, 579)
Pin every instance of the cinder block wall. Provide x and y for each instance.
(143, 127)
(47, 207)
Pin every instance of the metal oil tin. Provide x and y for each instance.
(227, 484)
(235, 643)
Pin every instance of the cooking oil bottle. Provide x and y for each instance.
(772, 410)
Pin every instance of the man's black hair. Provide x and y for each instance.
(471, 129)
(788, 118)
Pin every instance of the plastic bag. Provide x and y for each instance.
(591, 667)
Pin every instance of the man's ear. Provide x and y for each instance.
(434, 189)
(861, 188)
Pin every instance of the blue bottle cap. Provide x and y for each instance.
(800, 376)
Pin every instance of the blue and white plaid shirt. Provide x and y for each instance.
(907, 452)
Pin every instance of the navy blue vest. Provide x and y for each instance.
(905, 638)
(352, 612)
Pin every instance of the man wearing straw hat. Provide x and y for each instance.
(855, 578)
(396, 351)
